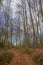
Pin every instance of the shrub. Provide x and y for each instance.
(5, 58)
(37, 58)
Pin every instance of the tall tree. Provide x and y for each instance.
(31, 19)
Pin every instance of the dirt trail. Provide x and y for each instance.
(29, 60)
(21, 58)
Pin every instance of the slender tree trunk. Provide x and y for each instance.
(31, 20)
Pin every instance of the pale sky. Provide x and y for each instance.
(13, 5)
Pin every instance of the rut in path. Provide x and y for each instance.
(21, 58)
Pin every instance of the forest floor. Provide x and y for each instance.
(21, 58)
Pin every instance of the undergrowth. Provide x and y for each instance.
(5, 58)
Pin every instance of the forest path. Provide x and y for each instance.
(21, 58)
